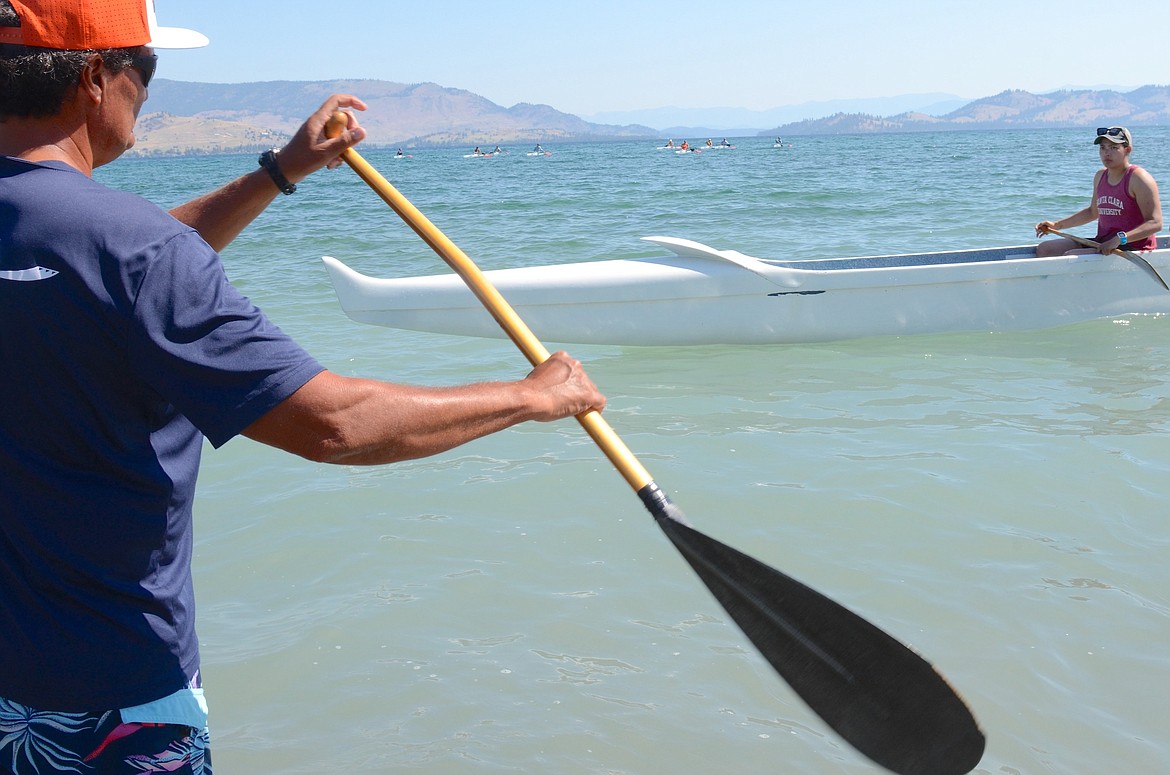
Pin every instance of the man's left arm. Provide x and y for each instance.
(221, 215)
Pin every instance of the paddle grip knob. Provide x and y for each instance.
(336, 124)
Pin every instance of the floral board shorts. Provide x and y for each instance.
(41, 742)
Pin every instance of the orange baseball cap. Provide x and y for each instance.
(80, 25)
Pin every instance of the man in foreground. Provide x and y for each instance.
(123, 347)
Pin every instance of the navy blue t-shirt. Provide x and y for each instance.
(122, 345)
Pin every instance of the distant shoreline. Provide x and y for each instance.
(516, 147)
(193, 119)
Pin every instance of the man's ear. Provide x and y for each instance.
(94, 79)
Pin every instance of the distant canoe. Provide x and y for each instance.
(698, 295)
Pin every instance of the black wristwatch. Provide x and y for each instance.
(268, 162)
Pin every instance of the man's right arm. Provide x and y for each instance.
(352, 421)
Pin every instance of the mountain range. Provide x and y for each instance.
(1013, 109)
(186, 117)
(741, 122)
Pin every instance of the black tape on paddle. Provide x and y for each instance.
(659, 504)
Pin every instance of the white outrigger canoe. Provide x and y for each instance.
(698, 295)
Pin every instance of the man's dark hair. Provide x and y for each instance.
(35, 81)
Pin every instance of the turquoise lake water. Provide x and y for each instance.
(997, 501)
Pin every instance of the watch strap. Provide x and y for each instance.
(270, 165)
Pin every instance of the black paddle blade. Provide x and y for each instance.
(882, 698)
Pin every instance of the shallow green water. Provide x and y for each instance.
(996, 501)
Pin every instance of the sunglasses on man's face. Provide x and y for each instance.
(145, 64)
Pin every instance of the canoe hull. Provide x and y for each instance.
(699, 296)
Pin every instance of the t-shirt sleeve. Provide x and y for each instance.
(205, 347)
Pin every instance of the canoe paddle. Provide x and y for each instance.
(1134, 257)
(879, 695)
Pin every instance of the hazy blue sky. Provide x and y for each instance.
(605, 55)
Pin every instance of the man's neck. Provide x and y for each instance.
(47, 139)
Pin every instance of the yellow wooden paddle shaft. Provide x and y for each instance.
(516, 329)
(1088, 243)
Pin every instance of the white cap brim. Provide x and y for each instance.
(171, 37)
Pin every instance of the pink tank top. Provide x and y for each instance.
(1118, 211)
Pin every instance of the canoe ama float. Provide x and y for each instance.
(697, 295)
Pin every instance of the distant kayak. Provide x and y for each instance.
(539, 153)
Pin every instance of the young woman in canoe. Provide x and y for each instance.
(1125, 203)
